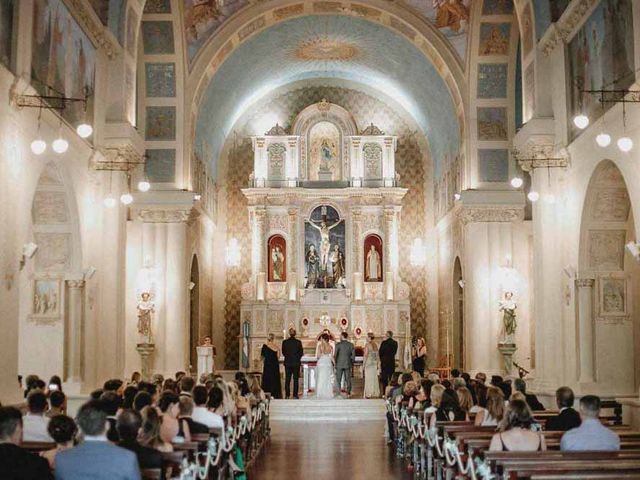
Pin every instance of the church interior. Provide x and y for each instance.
(183, 183)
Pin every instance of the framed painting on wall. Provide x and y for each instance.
(46, 299)
(613, 296)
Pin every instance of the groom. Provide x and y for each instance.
(345, 356)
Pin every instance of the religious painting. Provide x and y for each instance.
(63, 58)
(494, 38)
(493, 165)
(277, 255)
(529, 92)
(46, 299)
(202, 18)
(161, 123)
(132, 29)
(526, 30)
(324, 249)
(601, 55)
(7, 15)
(613, 297)
(492, 80)
(324, 152)
(372, 156)
(157, 38)
(276, 161)
(492, 123)
(157, 6)
(160, 165)
(160, 79)
(497, 7)
(451, 17)
(373, 259)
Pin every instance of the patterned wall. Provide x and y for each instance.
(411, 164)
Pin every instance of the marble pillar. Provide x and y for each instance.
(75, 328)
(292, 254)
(584, 287)
(389, 246)
(177, 328)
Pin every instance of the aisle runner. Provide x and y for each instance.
(340, 409)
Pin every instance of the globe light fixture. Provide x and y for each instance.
(144, 185)
(60, 145)
(456, 196)
(84, 130)
(126, 198)
(625, 144)
(38, 146)
(109, 201)
(581, 121)
(533, 196)
(516, 182)
(603, 140)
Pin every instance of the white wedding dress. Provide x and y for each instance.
(324, 376)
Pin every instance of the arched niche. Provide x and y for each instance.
(194, 312)
(324, 126)
(373, 258)
(457, 327)
(277, 259)
(607, 304)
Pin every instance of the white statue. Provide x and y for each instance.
(146, 308)
(508, 307)
(373, 267)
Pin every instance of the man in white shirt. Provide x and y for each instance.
(200, 412)
(35, 422)
(591, 435)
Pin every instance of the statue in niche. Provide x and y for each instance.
(373, 266)
(277, 257)
(146, 308)
(508, 308)
(337, 267)
(312, 261)
(277, 251)
(326, 155)
(325, 244)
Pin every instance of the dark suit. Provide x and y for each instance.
(564, 421)
(147, 457)
(533, 402)
(19, 464)
(292, 352)
(345, 357)
(387, 352)
(97, 460)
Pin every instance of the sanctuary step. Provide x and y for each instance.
(339, 410)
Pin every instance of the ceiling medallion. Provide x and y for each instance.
(326, 48)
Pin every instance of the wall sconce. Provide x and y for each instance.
(89, 273)
(233, 253)
(418, 255)
(28, 251)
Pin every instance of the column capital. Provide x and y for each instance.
(492, 213)
(167, 215)
(585, 282)
(75, 283)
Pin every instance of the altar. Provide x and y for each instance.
(324, 209)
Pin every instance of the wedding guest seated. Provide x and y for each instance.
(434, 378)
(157, 379)
(481, 378)
(423, 397)
(393, 384)
(516, 434)
(568, 418)
(179, 374)
(31, 383)
(215, 404)
(151, 389)
(17, 463)
(448, 410)
(141, 400)
(186, 386)
(129, 425)
(201, 413)
(113, 385)
(111, 403)
(256, 394)
(169, 385)
(591, 434)
(481, 395)
(241, 403)
(521, 386)
(136, 378)
(409, 392)
(169, 407)
(35, 422)
(95, 458)
(465, 400)
(398, 391)
(455, 373)
(458, 382)
(188, 425)
(243, 384)
(128, 396)
(150, 431)
(63, 431)
(54, 385)
(492, 414)
(57, 404)
(435, 397)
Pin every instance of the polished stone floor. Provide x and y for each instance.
(327, 451)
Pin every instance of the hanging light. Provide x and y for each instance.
(581, 121)
(39, 146)
(533, 196)
(516, 182)
(625, 144)
(60, 145)
(84, 130)
(456, 196)
(603, 139)
(233, 253)
(126, 198)
(109, 201)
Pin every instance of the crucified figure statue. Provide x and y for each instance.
(325, 245)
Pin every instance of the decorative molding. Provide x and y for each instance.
(561, 31)
(490, 213)
(324, 106)
(83, 13)
(169, 215)
(75, 284)
(120, 158)
(540, 152)
(372, 130)
(585, 282)
(276, 131)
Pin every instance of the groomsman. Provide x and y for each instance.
(387, 352)
(345, 356)
(292, 351)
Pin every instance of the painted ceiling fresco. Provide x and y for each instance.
(328, 47)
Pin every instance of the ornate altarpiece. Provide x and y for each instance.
(351, 197)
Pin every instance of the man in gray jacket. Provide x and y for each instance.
(345, 356)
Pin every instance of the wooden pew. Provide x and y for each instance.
(172, 463)
(151, 473)
(37, 447)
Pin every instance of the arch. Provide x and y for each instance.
(194, 312)
(457, 327)
(607, 320)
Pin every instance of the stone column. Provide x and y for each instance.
(292, 253)
(584, 288)
(259, 247)
(75, 326)
(356, 221)
(390, 244)
(177, 328)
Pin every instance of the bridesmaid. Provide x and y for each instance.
(371, 368)
(271, 370)
(419, 352)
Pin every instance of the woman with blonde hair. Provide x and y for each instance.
(492, 415)
(150, 431)
(515, 432)
(371, 365)
(271, 367)
(465, 400)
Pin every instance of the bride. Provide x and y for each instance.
(324, 368)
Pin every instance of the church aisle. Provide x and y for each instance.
(327, 450)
